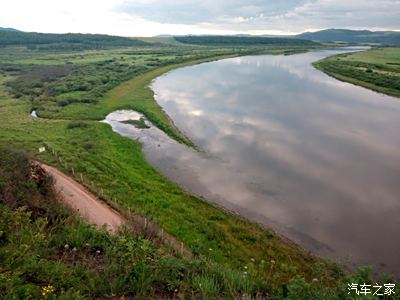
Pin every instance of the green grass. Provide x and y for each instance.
(133, 94)
(159, 40)
(78, 91)
(137, 123)
(377, 69)
(47, 252)
(117, 167)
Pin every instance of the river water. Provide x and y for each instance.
(283, 144)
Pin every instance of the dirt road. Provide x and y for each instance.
(91, 208)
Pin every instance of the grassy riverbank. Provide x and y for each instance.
(49, 253)
(135, 93)
(117, 168)
(377, 69)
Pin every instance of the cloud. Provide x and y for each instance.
(261, 15)
(206, 11)
(344, 13)
(152, 17)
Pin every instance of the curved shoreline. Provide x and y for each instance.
(354, 81)
(233, 212)
(267, 228)
(236, 212)
(323, 66)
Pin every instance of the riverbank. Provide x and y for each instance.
(48, 252)
(136, 94)
(264, 171)
(377, 69)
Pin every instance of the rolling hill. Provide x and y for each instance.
(13, 37)
(353, 36)
(8, 29)
(234, 40)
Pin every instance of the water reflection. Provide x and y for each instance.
(315, 158)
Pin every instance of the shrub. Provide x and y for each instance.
(62, 102)
(75, 125)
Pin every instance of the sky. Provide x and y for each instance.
(155, 17)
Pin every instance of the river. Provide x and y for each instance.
(285, 145)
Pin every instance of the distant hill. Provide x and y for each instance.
(213, 40)
(67, 40)
(164, 36)
(353, 36)
(9, 29)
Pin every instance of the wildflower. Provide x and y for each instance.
(315, 280)
(97, 251)
(245, 267)
(87, 245)
(272, 261)
(245, 273)
(252, 259)
(74, 249)
(66, 246)
(47, 290)
(210, 249)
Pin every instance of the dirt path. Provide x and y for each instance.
(95, 211)
(91, 208)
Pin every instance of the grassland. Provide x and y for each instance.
(117, 167)
(47, 252)
(377, 69)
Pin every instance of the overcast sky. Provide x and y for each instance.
(153, 17)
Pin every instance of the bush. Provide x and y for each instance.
(23, 183)
(62, 102)
(74, 125)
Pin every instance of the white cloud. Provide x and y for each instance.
(151, 17)
(361, 14)
(206, 11)
(87, 16)
(321, 14)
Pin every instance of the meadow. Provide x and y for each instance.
(72, 91)
(377, 69)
